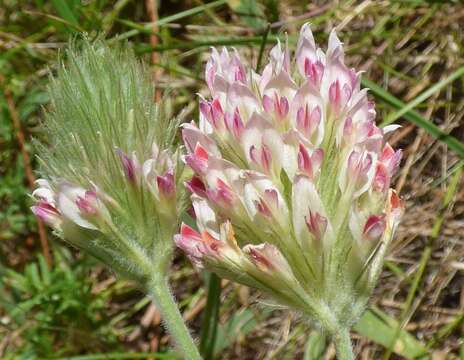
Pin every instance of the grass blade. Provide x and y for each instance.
(210, 317)
(65, 11)
(415, 118)
(123, 355)
(168, 19)
(238, 325)
(425, 95)
(261, 49)
(427, 253)
(315, 346)
(188, 45)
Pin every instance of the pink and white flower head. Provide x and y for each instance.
(292, 179)
(112, 168)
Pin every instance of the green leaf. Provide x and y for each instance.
(222, 41)
(32, 273)
(250, 12)
(148, 28)
(32, 103)
(239, 324)
(315, 346)
(25, 306)
(17, 281)
(44, 270)
(381, 328)
(65, 11)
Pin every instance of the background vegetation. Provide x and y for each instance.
(57, 303)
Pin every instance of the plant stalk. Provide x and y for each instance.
(210, 317)
(342, 342)
(161, 294)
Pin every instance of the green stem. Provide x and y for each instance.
(340, 334)
(342, 344)
(159, 290)
(210, 317)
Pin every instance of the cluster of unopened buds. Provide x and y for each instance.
(291, 190)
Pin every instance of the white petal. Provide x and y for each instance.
(305, 49)
(43, 183)
(148, 169)
(44, 193)
(241, 97)
(290, 152)
(305, 198)
(335, 48)
(67, 205)
(389, 128)
(283, 85)
(205, 216)
(224, 170)
(192, 136)
(356, 224)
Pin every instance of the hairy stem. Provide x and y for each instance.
(342, 343)
(340, 334)
(159, 290)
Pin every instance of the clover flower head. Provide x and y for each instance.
(291, 186)
(111, 172)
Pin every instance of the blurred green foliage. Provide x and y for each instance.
(15, 220)
(54, 310)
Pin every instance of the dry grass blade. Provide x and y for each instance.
(426, 254)
(424, 96)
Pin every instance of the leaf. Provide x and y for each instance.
(32, 102)
(44, 270)
(24, 307)
(250, 12)
(315, 346)
(32, 272)
(17, 281)
(148, 28)
(65, 11)
(239, 324)
(381, 328)
(425, 95)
